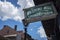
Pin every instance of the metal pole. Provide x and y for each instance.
(25, 28)
(25, 32)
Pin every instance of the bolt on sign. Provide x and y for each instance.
(40, 12)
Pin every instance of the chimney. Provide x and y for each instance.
(15, 27)
(5, 25)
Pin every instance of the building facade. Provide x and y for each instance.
(51, 26)
(13, 34)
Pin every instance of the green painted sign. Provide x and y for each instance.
(40, 12)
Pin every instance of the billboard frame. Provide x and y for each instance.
(38, 18)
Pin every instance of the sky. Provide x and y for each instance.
(11, 13)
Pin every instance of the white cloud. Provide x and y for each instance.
(5, 18)
(30, 3)
(9, 11)
(41, 32)
(26, 3)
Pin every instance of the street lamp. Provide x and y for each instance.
(25, 28)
